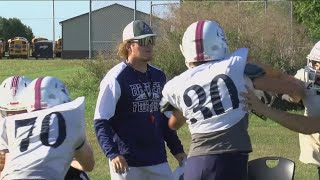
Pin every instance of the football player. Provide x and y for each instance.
(43, 142)
(206, 96)
(310, 75)
(10, 104)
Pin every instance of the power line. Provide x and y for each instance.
(39, 18)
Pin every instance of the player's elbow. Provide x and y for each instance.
(85, 157)
(174, 125)
(89, 166)
(88, 163)
(176, 120)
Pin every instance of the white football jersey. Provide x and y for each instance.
(309, 144)
(208, 95)
(42, 143)
(3, 134)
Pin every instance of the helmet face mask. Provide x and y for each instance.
(45, 92)
(204, 41)
(312, 74)
(11, 90)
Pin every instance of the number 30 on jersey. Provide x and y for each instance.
(215, 98)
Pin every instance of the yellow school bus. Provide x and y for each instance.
(18, 48)
(33, 41)
(58, 47)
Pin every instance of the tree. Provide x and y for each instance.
(13, 27)
(307, 12)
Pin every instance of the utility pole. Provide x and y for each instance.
(151, 13)
(53, 27)
(265, 4)
(135, 9)
(90, 9)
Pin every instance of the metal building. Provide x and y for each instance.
(107, 25)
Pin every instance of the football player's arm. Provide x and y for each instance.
(168, 103)
(176, 120)
(84, 156)
(299, 76)
(294, 122)
(106, 104)
(274, 81)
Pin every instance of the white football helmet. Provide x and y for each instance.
(204, 41)
(11, 90)
(45, 92)
(312, 75)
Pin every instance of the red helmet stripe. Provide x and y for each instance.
(199, 40)
(37, 90)
(14, 84)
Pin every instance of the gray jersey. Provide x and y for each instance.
(42, 143)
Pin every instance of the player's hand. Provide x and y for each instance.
(181, 157)
(2, 159)
(286, 97)
(252, 102)
(119, 164)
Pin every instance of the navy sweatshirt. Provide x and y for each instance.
(128, 120)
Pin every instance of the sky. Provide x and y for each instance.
(39, 14)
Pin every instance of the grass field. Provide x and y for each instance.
(268, 138)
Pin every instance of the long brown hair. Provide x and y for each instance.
(123, 49)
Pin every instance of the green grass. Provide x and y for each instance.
(62, 69)
(268, 138)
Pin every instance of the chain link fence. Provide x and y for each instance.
(108, 21)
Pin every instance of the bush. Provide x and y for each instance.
(267, 32)
(167, 55)
(86, 82)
